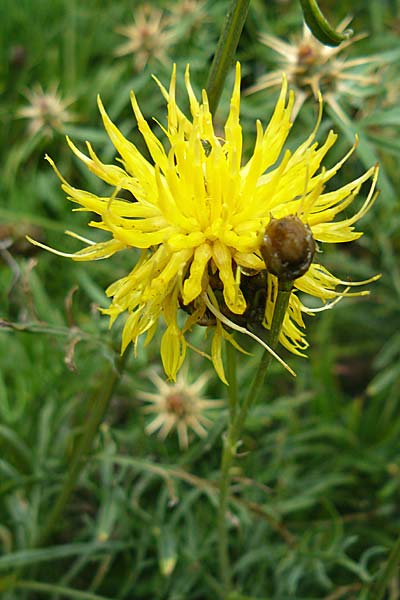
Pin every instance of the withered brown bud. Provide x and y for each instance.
(288, 247)
(17, 56)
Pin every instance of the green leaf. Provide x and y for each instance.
(167, 550)
(65, 592)
(33, 557)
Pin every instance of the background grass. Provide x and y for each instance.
(315, 505)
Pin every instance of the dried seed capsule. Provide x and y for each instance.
(288, 247)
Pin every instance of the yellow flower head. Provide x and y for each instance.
(199, 217)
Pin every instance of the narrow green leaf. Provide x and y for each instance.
(167, 550)
(50, 589)
(32, 557)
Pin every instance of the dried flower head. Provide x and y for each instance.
(148, 36)
(187, 9)
(200, 216)
(47, 111)
(179, 406)
(313, 68)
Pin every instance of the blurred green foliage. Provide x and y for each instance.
(315, 503)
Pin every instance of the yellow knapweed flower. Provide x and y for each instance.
(199, 217)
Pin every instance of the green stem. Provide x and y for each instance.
(98, 405)
(232, 438)
(223, 550)
(281, 305)
(225, 51)
(391, 567)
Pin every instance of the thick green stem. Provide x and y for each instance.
(97, 408)
(232, 438)
(225, 51)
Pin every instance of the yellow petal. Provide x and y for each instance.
(173, 350)
(216, 353)
(232, 293)
(192, 287)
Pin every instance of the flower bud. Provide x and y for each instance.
(287, 248)
(17, 56)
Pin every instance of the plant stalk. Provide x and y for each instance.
(225, 51)
(232, 438)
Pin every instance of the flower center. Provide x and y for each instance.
(216, 229)
(177, 404)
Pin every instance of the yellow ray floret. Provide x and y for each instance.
(198, 214)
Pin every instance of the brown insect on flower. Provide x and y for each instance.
(288, 247)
